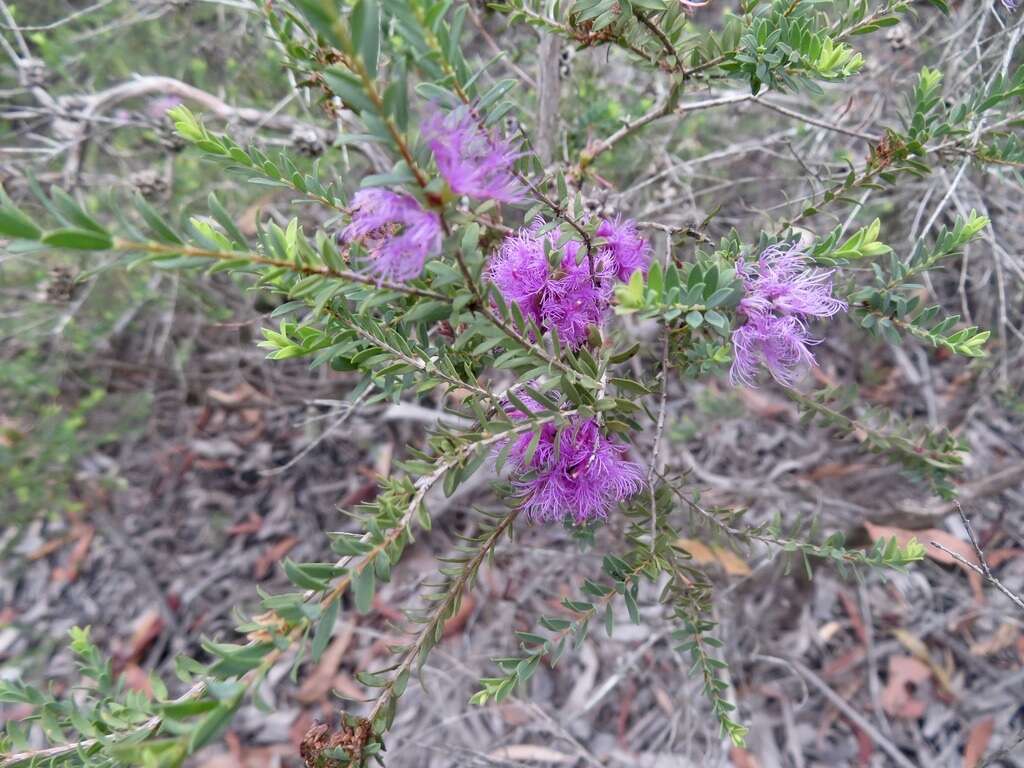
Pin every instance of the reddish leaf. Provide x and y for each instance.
(897, 698)
(946, 539)
(977, 742)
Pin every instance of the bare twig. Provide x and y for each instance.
(856, 717)
(982, 569)
(659, 429)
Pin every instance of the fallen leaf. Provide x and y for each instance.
(136, 679)
(827, 631)
(147, 629)
(346, 686)
(703, 554)
(455, 624)
(248, 222)
(69, 571)
(698, 550)
(1001, 639)
(997, 557)
(841, 664)
(319, 682)
(834, 469)
(664, 700)
(865, 746)
(271, 555)
(532, 752)
(977, 742)
(48, 548)
(919, 650)
(946, 539)
(853, 611)
(743, 759)
(514, 714)
(245, 393)
(897, 698)
(252, 524)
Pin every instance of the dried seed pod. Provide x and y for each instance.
(898, 36)
(60, 286)
(307, 141)
(149, 183)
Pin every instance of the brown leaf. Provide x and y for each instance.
(252, 524)
(319, 682)
(999, 556)
(271, 555)
(1001, 639)
(48, 548)
(147, 629)
(897, 698)
(946, 539)
(244, 394)
(248, 222)
(919, 650)
(977, 742)
(703, 554)
(743, 759)
(853, 611)
(347, 687)
(456, 623)
(136, 679)
(865, 746)
(834, 469)
(844, 662)
(69, 571)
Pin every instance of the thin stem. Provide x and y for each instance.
(869, 137)
(444, 609)
(422, 365)
(659, 428)
(501, 324)
(255, 258)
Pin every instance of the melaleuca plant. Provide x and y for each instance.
(451, 261)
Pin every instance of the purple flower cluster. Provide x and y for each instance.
(576, 473)
(472, 160)
(781, 294)
(1011, 5)
(627, 248)
(565, 295)
(396, 232)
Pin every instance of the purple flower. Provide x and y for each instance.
(565, 296)
(780, 343)
(1011, 5)
(473, 161)
(396, 232)
(781, 294)
(627, 248)
(576, 472)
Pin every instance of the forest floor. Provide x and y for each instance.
(241, 464)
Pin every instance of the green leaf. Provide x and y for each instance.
(13, 223)
(324, 627)
(78, 240)
(363, 584)
(212, 725)
(366, 30)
